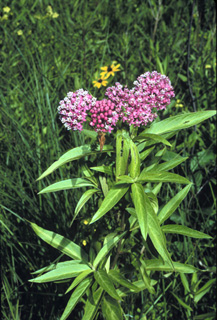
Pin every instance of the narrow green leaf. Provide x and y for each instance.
(78, 279)
(155, 137)
(163, 176)
(135, 161)
(141, 207)
(203, 290)
(67, 184)
(111, 309)
(57, 265)
(185, 231)
(75, 297)
(143, 155)
(126, 179)
(74, 154)
(107, 248)
(103, 169)
(61, 273)
(156, 235)
(113, 197)
(123, 291)
(119, 142)
(119, 278)
(84, 198)
(168, 165)
(182, 303)
(59, 242)
(92, 305)
(104, 281)
(159, 265)
(173, 204)
(179, 122)
(122, 152)
(146, 278)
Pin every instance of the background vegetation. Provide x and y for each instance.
(48, 51)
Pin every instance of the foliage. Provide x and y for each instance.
(44, 56)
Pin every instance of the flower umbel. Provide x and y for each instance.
(110, 70)
(100, 82)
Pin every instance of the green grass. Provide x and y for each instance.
(57, 55)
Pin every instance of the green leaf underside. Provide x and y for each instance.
(106, 249)
(154, 137)
(84, 198)
(57, 265)
(111, 309)
(156, 234)
(67, 184)
(173, 204)
(61, 243)
(78, 279)
(185, 231)
(163, 176)
(179, 122)
(104, 281)
(119, 278)
(111, 199)
(141, 207)
(159, 265)
(75, 297)
(61, 273)
(92, 305)
(74, 154)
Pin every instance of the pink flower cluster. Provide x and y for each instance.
(73, 109)
(104, 116)
(152, 91)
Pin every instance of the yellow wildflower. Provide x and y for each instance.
(101, 82)
(4, 17)
(84, 242)
(20, 32)
(6, 9)
(208, 66)
(110, 70)
(85, 222)
(55, 15)
(179, 105)
(178, 101)
(49, 11)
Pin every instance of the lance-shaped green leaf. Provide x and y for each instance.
(84, 198)
(141, 207)
(103, 169)
(61, 273)
(185, 231)
(179, 122)
(75, 297)
(105, 282)
(112, 198)
(173, 204)
(57, 265)
(74, 154)
(159, 265)
(92, 305)
(111, 309)
(143, 155)
(107, 248)
(119, 278)
(203, 290)
(162, 176)
(149, 136)
(182, 303)
(126, 179)
(122, 152)
(78, 279)
(168, 165)
(135, 161)
(123, 291)
(67, 184)
(146, 277)
(156, 234)
(59, 242)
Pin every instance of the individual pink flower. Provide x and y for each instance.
(73, 109)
